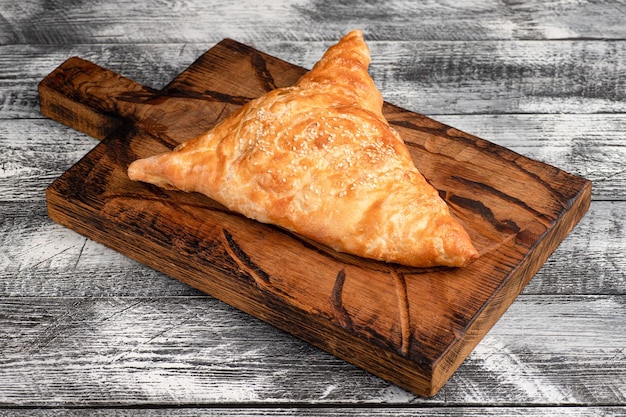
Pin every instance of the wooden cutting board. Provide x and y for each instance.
(411, 326)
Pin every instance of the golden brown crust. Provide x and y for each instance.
(319, 158)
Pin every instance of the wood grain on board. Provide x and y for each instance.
(410, 326)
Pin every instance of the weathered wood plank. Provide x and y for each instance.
(146, 351)
(374, 411)
(35, 153)
(501, 77)
(530, 364)
(591, 259)
(196, 21)
(40, 257)
(120, 351)
(427, 77)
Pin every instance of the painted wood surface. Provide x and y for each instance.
(428, 77)
(553, 92)
(151, 21)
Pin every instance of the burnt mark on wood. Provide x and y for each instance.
(403, 309)
(226, 98)
(235, 47)
(206, 95)
(137, 97)
(439, 131)
(262, 73)
(87, 181)
(507, 226)
(260, 277)
(336, 302)
(502, 195)
(449, 133)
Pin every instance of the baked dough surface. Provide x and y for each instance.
(319, 158)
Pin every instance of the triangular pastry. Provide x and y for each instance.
(319, 158)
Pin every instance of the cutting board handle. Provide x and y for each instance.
(89, 98)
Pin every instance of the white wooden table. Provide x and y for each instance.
(86, 331)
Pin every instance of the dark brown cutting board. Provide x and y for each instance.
(410, 326)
